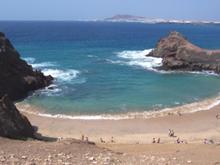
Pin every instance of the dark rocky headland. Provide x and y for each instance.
(17, 80)
(179, 54)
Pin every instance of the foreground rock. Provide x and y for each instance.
(17, 78)
(12, 123)
(180, 54)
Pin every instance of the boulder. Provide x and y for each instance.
(12, 123)
(179, 54)
(17, 78)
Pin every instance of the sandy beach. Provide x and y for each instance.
(191, 127)
(133, 137)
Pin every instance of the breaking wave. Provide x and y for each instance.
(29, 60)
(203, 105)
(62, 75)
(138, 59)
(43, 65)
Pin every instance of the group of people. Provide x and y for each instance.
(103, 141)
(206, 141)
(86, 139)
(178, 141)
(83, 138)
(156, 141)
(171, 133)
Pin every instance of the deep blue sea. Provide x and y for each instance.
(100, 67)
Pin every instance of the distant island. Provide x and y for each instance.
(140, 19)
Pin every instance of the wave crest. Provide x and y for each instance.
(43, 65)
(62, 75)
(139, 58)
(29, 60)
(203, 105)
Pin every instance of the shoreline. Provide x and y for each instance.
(192, 125)
(202, 105)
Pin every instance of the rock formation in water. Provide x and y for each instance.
(12, 123)
(179, 54)
(17, 78)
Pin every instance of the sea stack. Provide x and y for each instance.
(179, 54)
(17, 78)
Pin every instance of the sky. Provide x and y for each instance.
(98, 9)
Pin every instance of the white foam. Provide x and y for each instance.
(43, 65)
(187, 108)
(62, 75)
(91, 56)
(29, 60)
(139, 58)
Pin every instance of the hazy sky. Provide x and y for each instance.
(92, 9)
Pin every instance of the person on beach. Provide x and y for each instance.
(154, 140)
(158, 140)
(205, 141)
(171, 133)
(102, 141)
(178, 141)
(112, 140)
(180, 114)
(87, 139)
(217, 117)
(82, 137)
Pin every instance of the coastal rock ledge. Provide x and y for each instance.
(12, 123)
(179, 54)
(17, 78)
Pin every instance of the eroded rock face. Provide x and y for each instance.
(12, 123)
(180, 54)
(17, 78)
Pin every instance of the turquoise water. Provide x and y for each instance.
(100, 67)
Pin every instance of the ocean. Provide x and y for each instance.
(101, 68)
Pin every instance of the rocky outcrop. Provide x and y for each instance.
(12, 123)
(17, 78)
(179, 54)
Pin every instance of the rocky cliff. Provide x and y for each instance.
(179, 54)
(17, 78)
(12, 123)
